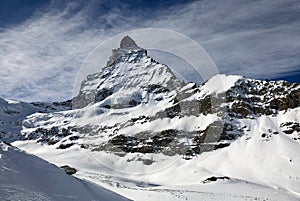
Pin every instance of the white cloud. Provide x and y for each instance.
(39, 58)
(254, 38)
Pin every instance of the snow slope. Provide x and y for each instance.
(220, 83)
(27, 177)
(265, 159)
(262, 164)
(259, 168)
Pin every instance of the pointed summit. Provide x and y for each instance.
(127, 47)
(127, 42)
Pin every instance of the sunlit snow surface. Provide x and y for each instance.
(259, 168)
(27, 177)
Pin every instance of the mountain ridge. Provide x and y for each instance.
(222, 97)
(134, 80)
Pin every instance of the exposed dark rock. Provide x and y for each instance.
(288, 131)
(261, 98)
(173, 111)
(127, 42)
(65, 146)
(155, 88)
(52, 141)
(69, 170)
(222, 145)
(147, 161)
(143, 149)
(205, 105)
(66, 104)
(73, 138)
(290, 127)
(121, 143)
(103, 94)
(213, 179)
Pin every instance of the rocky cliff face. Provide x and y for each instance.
(12, 113)
(127, 80)
(137, 105)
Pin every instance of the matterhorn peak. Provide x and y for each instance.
(127, 42)
(127, 47)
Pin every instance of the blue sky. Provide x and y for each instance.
(16, 11)
(44, 42)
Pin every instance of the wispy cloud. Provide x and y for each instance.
(259, 39)
(40, 58)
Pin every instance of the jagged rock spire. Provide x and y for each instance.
(127, 42)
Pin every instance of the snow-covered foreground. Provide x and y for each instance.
(164, 184)
(27, 177)
(259, 168)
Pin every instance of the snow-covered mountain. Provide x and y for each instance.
(136, 105)
(129, 78)
(13, 112)
(134, 126)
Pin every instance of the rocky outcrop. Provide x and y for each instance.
(128, 42)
